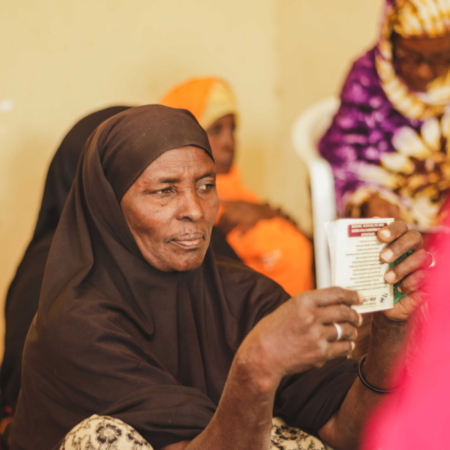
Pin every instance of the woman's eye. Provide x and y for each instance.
(214, 131)
(207, 186)
(164, 191)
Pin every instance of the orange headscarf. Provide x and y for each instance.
(208, 98)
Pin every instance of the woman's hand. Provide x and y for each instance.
(410, 272)
(300, 335)
(246, 215)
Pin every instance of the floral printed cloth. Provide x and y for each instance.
(387, 139)
(108, 433)
(104, 433)
(289, 438)
(373, 148)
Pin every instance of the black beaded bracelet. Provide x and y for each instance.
(368, 385)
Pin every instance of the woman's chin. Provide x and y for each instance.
(190, 262)
(179, 261)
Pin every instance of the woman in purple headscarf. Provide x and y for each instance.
(388, 142)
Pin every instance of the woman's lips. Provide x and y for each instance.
(189, 241)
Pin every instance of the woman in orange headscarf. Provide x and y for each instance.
(262, 236)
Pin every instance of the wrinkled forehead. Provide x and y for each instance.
(131, 141)
(181, 165)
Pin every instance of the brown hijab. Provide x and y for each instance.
(114, 336)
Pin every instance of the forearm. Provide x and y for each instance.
(387, 340)
(243, 419)
(343, 431)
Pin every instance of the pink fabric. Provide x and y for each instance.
(417, 416)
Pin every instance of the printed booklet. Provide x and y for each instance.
(355, 261)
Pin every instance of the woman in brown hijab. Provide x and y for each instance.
(139, 321)
(23, 294)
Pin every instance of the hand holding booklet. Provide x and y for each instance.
(355, 261)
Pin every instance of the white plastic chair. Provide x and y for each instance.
(307, 130)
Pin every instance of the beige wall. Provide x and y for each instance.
(62, 59)
(317, 42)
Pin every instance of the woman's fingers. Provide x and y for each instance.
(339, 313)
(405, 307)
(392, 231)
(332, 350)
(336, 296)
(412, 282)
(417, 260)
(338, 349)
(411, 240)
(348, 332)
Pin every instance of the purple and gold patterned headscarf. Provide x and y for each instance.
(387, 140)
(413, 18)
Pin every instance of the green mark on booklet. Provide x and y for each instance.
(398, 295)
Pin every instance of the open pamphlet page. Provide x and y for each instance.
(355, 261)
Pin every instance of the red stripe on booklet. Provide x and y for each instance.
(364, 229)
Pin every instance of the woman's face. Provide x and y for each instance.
(221, 140)
(421, 60)
(171, 209)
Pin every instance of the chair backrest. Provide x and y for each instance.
(310, 126)
(307, 130)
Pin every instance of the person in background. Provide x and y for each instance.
(388, 143)
(263, 237)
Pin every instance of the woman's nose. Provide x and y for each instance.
(229, 142)
(191, 207)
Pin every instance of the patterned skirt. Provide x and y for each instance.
(107, 433)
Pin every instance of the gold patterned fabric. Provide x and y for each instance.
(413, 18)
(109, 433)
(386, 140)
